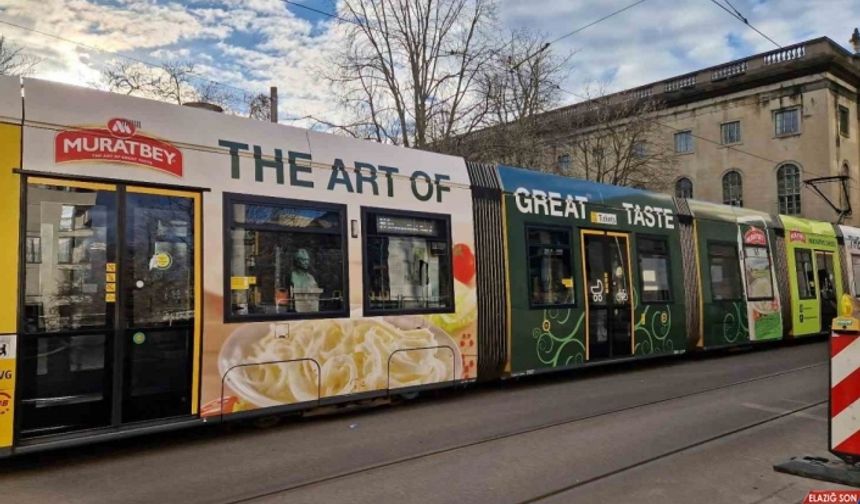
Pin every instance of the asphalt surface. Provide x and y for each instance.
(673, 430)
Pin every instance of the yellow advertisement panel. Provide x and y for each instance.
(7, 388)
(10, 158)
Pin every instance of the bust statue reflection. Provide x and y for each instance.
(301, 278)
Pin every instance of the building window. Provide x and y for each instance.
(724, 269)
(34, 249)
(844, 121)
(286, 258)
(639, 150)
(550, 271)
(654, 269)
(786, 121)
(733, 189)
(684, 142)
(564, 163)
(407, 261)
(788, 189)
(684, 188)
(730, 132)
(757, 273)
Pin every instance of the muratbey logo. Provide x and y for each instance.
(797, 236)
(755, 236)
(120, 142)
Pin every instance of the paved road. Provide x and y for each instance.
(679, 430)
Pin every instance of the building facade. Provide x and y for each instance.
(751, 132)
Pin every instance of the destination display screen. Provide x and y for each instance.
(405, 225)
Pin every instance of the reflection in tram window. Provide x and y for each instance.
(407, 263)
(805, 274)
(757, 273)
(287, 259)
(654, 268)
(550, 275)
(855, 273)
(160, 245)
(65, 288)
(725, 272)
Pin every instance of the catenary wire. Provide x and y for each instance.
(745, 21)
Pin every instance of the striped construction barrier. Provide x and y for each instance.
(844, 429)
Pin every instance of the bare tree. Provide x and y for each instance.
(177, 82)
(171, 82)
(521, 83)
(408, 70)
(259, 106)
(613, 139)
(13, 60)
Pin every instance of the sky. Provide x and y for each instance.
(252, 44)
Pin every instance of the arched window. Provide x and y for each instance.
(733, 190)
(684, 188)
(788, 189)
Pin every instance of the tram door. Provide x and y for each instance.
(608, 294)
(110, 303)
(826, 287)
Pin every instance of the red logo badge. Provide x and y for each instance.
(120, 142)
(5, 403)
(755, 236)
(797, 236)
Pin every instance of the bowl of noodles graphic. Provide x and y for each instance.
(294, 362)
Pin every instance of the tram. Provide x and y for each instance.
(171, 266)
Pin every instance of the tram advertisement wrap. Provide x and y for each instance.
(331, 266)
(7, 388)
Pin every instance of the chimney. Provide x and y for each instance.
(273, 101)
(855, 41)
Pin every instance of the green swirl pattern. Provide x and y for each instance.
(555, 342)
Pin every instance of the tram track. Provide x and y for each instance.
(550, 425)
(669, 453)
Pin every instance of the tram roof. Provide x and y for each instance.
(809, 226)
(727, 213)
(514, 178)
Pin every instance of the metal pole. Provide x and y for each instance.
(273, 102)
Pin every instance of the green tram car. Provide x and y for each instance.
(598, 273)
(172, 266)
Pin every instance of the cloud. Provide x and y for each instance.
(256, 43)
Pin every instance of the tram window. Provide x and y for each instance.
(71, 232)
(654, 269)
(758, 274)
(725, 272)
(550, 272)
(805, 274)
(287, 258)
(407, 261)
(855, 271)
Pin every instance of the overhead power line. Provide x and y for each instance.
(737, 15)
(575, 31)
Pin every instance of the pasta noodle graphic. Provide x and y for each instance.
(353, 357)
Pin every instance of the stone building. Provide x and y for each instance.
(751, 132)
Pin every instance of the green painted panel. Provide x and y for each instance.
(545, 338)
(725, 319)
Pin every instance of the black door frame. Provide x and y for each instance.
(610, 304)
(114, 339)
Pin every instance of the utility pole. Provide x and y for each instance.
(273, 103)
